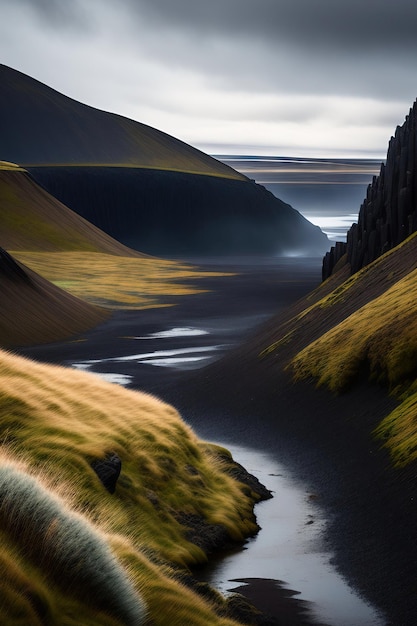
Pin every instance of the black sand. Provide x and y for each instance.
(323, 438)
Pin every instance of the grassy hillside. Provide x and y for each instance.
(33, 310)
(99, 558)
(377, 341)
(38, 125)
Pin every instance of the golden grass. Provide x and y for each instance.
(113, 281)
(59, 421)
(7, 166)
(377, 341)
(381, 336)
(197, 169)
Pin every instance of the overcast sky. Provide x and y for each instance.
(266, 77)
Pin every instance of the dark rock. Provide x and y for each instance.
(333, 257)
(239, 473)
(208, 537)
(388, 215)
(108, 470)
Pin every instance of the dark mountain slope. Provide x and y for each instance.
(33, 310)
(172, 213)
(151, 191)
(32, 219)
(41, 126)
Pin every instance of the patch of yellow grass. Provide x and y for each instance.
(382, 336)
(197, 169)
(6, 165)
(60, 420)
(113, 281)
(378, 341)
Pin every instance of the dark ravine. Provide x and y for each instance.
(176, 213)
(10, 269)
(388, 214)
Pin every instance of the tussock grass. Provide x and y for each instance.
(378, 342)
(381, 337)
(59, 421)
(69, 549)
(116, 281)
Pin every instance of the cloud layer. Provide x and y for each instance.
(306, 77)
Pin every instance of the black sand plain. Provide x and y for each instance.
(238, 398)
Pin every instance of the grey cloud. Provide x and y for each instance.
(321, 46)
(355, 25)
(56, 13)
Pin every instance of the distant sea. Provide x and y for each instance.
(328, 192)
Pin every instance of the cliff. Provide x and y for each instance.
(388, 214)
(167, 213)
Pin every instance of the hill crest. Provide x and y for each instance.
(40, 126)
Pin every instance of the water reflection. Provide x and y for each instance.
(290, 547)
(320, 189)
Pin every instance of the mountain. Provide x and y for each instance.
(43, 127)
(64, 250)
(32, 219)
(388, 214)
(143, 187)
(335, 377)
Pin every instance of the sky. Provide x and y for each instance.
(310, 78)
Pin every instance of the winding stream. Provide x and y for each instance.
(290, 547)
(289, 553)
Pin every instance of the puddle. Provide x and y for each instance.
(173, 333)
(290, 548)
(159, 358)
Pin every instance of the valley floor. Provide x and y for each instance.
(320, 436)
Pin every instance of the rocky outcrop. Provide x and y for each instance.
(332, 258)
(388, 214)
(108, 470)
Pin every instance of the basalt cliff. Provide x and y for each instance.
(388, 214)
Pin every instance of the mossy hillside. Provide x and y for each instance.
(341, 295)
(377, 342)
(61, 420)
(380, 337)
